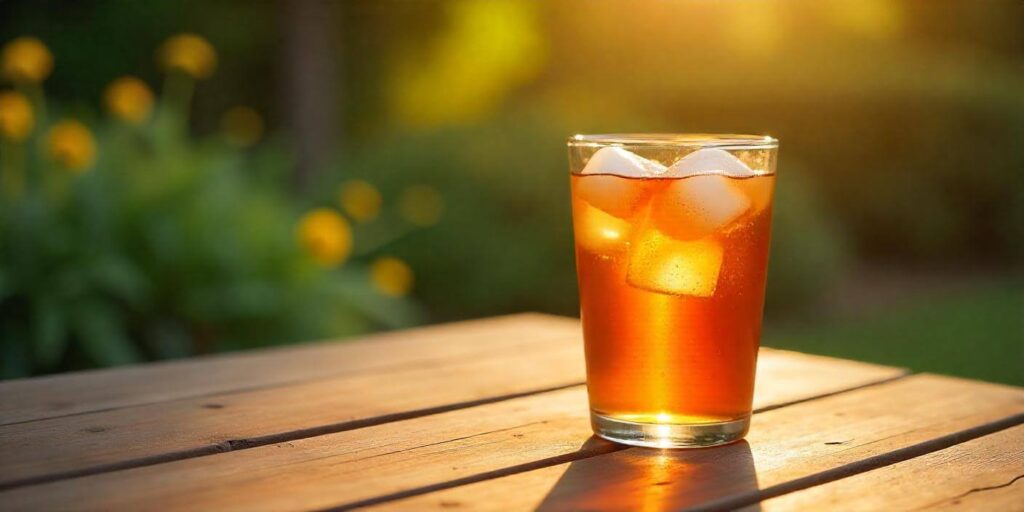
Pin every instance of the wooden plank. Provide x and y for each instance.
(136, 436)
(76, 393)
(841, 434)
(406, 458)
(983, 474)
(165, 431)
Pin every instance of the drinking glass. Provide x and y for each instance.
(672, 236)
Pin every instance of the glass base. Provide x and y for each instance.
(669, 435)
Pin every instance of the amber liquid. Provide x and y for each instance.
(684, 351)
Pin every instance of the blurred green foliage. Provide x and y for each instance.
(975, 333)
(809, 251)
(166, 246)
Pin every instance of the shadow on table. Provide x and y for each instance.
(654, 480)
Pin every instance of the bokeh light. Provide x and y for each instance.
(71, 145)
(16, 119)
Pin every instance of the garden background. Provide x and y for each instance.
(185, 177)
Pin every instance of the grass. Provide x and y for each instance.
(976, 333)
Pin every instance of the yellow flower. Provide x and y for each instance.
(16, 119)
(391, 276)
(71, 144)
(326, 236)
(421, 205)
(26, 59)
(243, 126)
(129, 98)
(360, 199)
(189, 54)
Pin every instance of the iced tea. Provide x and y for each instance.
(672, 259)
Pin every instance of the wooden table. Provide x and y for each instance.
(490, 415)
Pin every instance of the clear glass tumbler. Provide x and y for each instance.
(672, 236)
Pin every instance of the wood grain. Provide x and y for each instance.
(69, 446)
(136, 436)
(76, 393)
(383, 463)
(841, 434)
(986, 473)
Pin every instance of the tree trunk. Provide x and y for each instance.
(310, 84)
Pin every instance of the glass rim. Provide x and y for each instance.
(675, 140)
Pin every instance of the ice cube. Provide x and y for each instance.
(604, 185)
(663, 264)
(612, 194)
(758, 190)
(618, 161)
(710, 160)
(599, 232)
(694, 207)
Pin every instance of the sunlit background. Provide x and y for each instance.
(182, 178)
